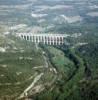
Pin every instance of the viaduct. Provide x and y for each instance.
(49, 39)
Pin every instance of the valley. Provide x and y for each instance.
(30, 71)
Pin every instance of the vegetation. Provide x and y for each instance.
(72, 72)
(77, 87)
(16, 67)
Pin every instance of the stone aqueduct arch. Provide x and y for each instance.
(49, 39)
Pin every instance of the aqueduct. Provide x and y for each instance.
(49, 39)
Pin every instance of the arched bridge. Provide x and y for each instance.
(49, 39)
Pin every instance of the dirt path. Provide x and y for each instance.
(18, 83)
(25, 93)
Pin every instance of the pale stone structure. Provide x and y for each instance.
(49, 39)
